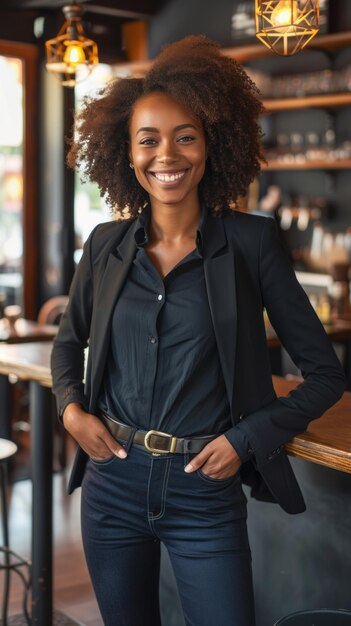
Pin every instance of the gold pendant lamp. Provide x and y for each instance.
(71, 55)
(286, 26)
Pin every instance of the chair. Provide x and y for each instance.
(12, 562)
(51, 313)
(317, 617)
(52, 310)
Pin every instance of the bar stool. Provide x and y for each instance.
(11, 561)
(317, 617)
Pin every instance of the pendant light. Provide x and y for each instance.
(71, 56)
(286, 26)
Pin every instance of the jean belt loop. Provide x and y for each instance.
(187, 446)
(128, 444)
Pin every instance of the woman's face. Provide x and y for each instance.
(167, 149)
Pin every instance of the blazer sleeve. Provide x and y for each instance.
(67, 358)
(303, 336)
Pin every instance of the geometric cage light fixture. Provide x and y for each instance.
(286, 26)
(71, 56)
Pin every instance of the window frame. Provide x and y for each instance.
(29, 55)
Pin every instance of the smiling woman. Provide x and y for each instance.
(178, 390)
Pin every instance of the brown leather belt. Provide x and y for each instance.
(155, 441)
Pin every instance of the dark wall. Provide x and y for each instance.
(191, 17)
(17, 25)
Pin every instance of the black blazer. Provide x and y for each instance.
(246, 270)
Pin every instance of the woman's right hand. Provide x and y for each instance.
(90, 433)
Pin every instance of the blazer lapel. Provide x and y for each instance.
(108, 290)
(219, 268)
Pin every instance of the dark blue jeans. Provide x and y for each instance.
(129, 506)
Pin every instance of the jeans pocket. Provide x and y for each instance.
(217, 481)
(209, 479)
(103, 462)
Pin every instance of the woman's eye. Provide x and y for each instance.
(148, 141)
(186, 139)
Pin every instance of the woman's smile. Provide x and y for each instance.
(170, 177)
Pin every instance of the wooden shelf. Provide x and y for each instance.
(243, 54)
(343, 164)
(323, 100)
(333, 41)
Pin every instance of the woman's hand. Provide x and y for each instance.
(90, 433)
(218, 459)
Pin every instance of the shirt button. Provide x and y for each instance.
(153, 339)
(160, 296)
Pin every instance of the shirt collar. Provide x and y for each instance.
(142, 228)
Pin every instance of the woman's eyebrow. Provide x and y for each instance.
(151, 129)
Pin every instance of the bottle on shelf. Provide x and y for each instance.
(3, 299)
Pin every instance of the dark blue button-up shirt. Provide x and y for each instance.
(163, 370)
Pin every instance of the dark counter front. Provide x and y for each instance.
(304, 561)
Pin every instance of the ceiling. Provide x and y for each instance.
(104, 22)
(113, 8)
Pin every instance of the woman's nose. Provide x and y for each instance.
(167, 152)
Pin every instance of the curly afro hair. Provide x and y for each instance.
(211, 86)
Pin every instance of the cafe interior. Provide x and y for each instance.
(53, 55)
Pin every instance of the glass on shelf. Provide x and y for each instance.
(283, 147)
(286, 217)
(344, 150)
(297, 147)
(302, 212)
(316, 241)
(344, 79)
(314, 151)
(326, 81)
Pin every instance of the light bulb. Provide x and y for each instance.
(74, 55)
(285, 13)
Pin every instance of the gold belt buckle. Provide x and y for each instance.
(157, 450)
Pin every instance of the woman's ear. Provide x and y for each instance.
(130, 160)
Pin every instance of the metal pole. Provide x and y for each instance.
(42, 453)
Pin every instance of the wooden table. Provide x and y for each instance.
(30, 361)
(326, 442)
(22, 331)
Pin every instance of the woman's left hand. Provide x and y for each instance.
(218, 459)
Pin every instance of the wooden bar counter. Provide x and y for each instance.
(327, 440)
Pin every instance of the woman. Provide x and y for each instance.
(178, 392)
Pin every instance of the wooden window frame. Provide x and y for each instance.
(29, 55)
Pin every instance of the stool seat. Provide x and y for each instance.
(317, 617)
(7, 449)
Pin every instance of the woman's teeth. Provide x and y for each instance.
(168, 178)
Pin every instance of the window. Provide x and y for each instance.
(89, 207)
(11, 179)
(18, 174)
